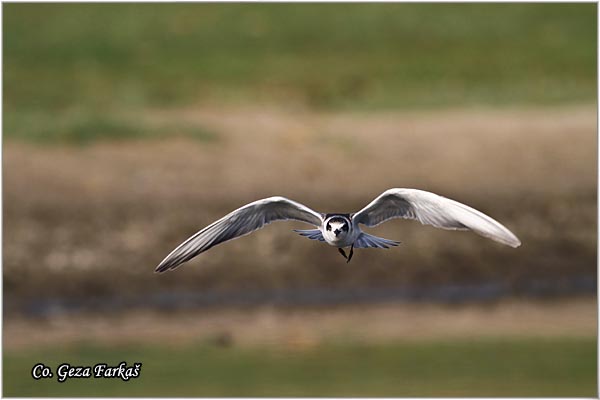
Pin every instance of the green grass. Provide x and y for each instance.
(490, 367)
(98, 59)
(81, 127)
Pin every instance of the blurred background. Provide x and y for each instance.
(128, 127)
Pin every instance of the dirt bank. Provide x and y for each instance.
(308, 327)
(95, 220)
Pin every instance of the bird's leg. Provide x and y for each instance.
(351, 253)
(342, 252)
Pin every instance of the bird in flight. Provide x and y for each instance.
(343, 230)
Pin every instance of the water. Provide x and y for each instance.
(313, 296)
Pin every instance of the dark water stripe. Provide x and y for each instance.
(315, 296)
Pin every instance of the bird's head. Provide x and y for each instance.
(337, 225)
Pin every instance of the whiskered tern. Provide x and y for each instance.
(343, 230)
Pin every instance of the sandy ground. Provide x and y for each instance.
(308, 327)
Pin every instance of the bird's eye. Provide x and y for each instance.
(328, 227)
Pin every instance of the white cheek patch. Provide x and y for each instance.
(336, 225)
(340, 226)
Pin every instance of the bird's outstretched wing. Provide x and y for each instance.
(238, 223)
(431, 209)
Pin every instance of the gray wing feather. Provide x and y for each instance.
(312, 234)
(365, 240)
(240, 222)
(431, 209)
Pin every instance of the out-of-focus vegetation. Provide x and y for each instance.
(79, 126)
(84, 72)
(491, 367)
(85, 226)
(71, 69)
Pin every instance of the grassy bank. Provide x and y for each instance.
(88, 62)
(491, 367)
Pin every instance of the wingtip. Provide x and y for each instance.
(163, 267)
(514, 241)
(511, 241)
(159, 270)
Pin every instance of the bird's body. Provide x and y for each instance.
(343, 230)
